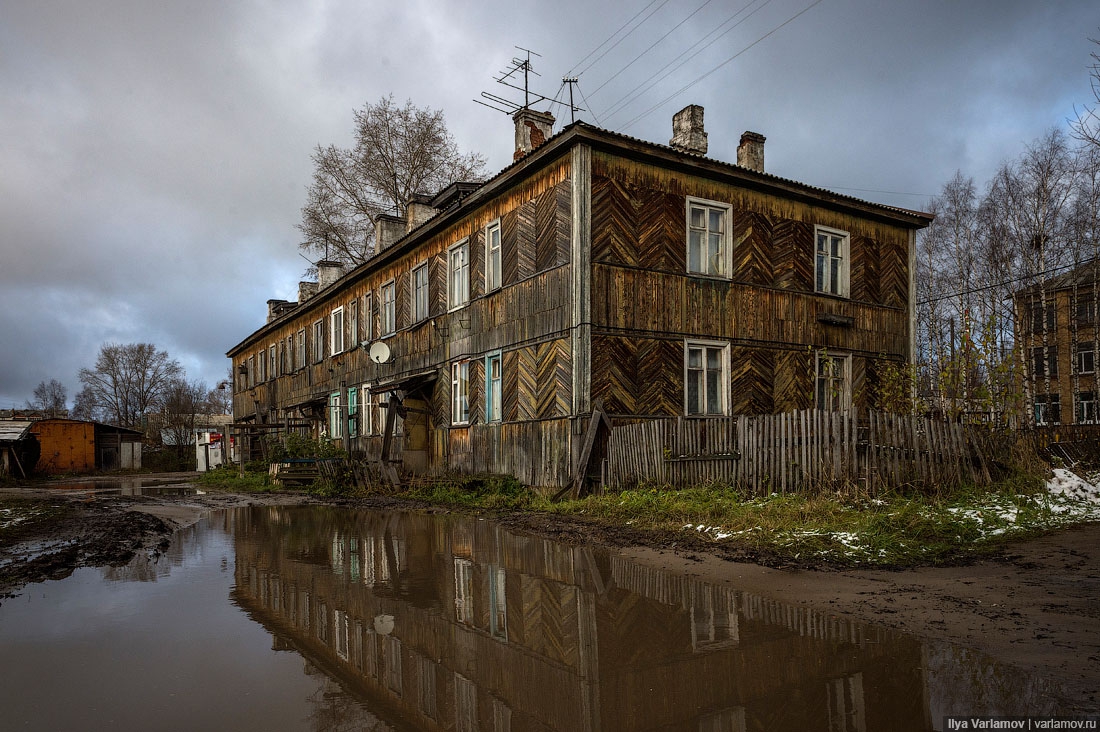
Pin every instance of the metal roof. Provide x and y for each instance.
(13, 430)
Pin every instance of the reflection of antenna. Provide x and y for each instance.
(518, 65)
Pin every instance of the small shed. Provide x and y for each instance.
(76, 446)
(17, 447)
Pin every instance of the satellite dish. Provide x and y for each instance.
(379, 352)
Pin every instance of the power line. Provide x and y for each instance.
(597, 48)
(645, 86)
(729, 60)
(1002, 283)
(587, 104)
(627, 35)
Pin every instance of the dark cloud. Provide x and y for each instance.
(153, 157)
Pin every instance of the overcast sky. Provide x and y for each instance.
(154, 155)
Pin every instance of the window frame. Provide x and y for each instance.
(1044, 362)
(352, 319)
(1086, 353)
(1051, 409)
(460, 397)
(335, 431)
(845, 379)
(494, 388)
(724, 377)
(388, 309)
(291, 354)
(303, 351)
(726, 255)
(844, 284)
(1081, 406)
(251, 371)
(494, 259)
(272, 361)
(421, 310)
(318, 340)
(453, 303)
(353, 412)
(368, 316)
(337, 328)
(261, 364)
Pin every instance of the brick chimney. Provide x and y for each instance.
(687, 131)
(275, 309)
(532, 129)
(328, 272)
(387, 230)
(306, 290)
(750, 153)
(418, 211)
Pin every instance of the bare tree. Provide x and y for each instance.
(128, 382)
(1086, 126)
(50, 398)
(398, 152)
(184, 402)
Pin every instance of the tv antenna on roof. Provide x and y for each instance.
(509, 76)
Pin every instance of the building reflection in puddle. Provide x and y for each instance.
(445, 622)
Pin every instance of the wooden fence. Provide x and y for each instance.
(809, 449)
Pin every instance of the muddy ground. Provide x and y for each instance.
(1036, 606)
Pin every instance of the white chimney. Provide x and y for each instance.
(387, 230)
(328, 272)
(687, 131)
(750, 153)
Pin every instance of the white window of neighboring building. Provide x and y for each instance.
(337, 329)
(335, 416)
(492, 257)
(389, 308)
(831, 261)
(1086, 407)
(368, 317)
(420, 293)
(300, 361)
(460, 392)
(353, 325)
(1086, 358)
(493, 412)
(708, 238)
(833, 381)
(458, 275)
(319, 341)
(706, 378)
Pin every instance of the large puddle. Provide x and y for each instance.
(321, 618)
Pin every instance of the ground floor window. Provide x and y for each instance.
(334, 416)
(460, 392)
(1086, 407)
(492, 388)
(1048, 409)
(353, 412)
(706, 378)
(833, 381)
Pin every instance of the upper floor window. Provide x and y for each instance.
(492, 388)
(368, 317)
(251, 371)
(458, 275)
(337, 329)
(1085, 312)
(460, 392)
(708, 244)
(261, 361)
(1045, 361)
(831, 261)
(290, 353)
(1086, 358)
(318, 340)
(300, 361)
(706, 378)
(1039, 323)
(492, 256)
(833, 381)
(272, 362)
(353, 324)
(389, 308)
(420, 293)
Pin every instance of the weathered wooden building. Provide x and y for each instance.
(1057, 329)
(597, 269)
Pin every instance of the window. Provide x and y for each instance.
(1045, 361)
(492, 388)
(1038, 323)
(458, 275)
(318, 341)
(460, 392)
(353, 325)
(251, 371)
(290, 354)
(708, 248)
(833, 381)
(368, 317)
(337, 330)
(334, 416)
(366, 414)
(492, 256)
(706, 376)
(272, 363)
(261, 361)
(831, 267)
(1086, 358)
(1048, 409)
(300, 361)
(420, 293)
(1085, 311)
(353, 412)
(389, 308)
(1086, 407)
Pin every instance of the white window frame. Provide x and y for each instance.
(494, 401)
(421, 292)
(1086, 357)
(301, 360)
(336, 326)
(841, 262)
(722, 265)
(1042, 408)
(291, 354)
(388, 295)
(724, 395)
(494, 263)
(335, 421)
(844, 378)
(251, 371)
(368, 317)
(353, 412)
(261, 362)
(367, 407)
(458, 275)
(1085, 411)
(272, 361)
(318, 340)
(460, 393)
(353, 325)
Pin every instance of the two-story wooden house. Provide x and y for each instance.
(597, 269)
